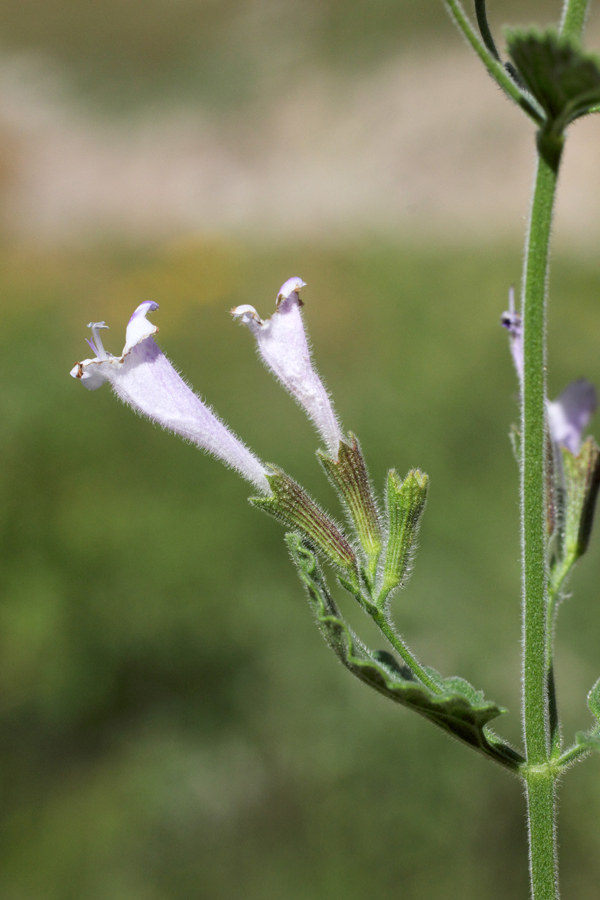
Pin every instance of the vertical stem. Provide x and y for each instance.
(538, 774)
(573, 17)
(542, 836)
(533, 472)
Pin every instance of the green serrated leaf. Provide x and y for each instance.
(563, 79)
(458, 709)
(460, 686)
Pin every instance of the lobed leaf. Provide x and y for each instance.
(458, 709)
(563, 79)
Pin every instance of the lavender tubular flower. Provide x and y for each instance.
(144, 378)
(283, 346)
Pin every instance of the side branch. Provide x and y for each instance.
(492, 64)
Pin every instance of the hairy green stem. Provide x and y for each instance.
(542, 836)
(533, 472)
(537, 660)
(573, 755)
(406, 655)
(540, 717)
(573, 17)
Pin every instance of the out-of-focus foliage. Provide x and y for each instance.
(172, 726)
(221, 51)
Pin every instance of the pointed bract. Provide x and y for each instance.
(144, 378)
(283, 346)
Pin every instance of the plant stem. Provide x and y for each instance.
(572, 755)
(398, 644)
(533, 473)
(542, 836)
(493, 65)
(538, 775)
(573, 17)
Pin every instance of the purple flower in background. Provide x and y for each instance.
(570, 413)
(511, 320)
(144, 378)
(283, 345)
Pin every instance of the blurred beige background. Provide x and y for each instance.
(409, 140)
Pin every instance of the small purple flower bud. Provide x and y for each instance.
(144, 378)
(570, 413)
(283, 346)
(511, 320)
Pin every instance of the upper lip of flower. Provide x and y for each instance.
(138, 329)
(144, 378)
(292, 286)
(283, 346)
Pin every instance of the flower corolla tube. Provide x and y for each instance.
(144, 378)
(568, 415)
(283, 346)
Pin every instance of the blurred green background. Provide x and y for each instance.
(172, 726)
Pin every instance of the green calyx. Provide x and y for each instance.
(348, 475)
(582, 480)
(575, 484)
(405, 502)
(292, 506)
